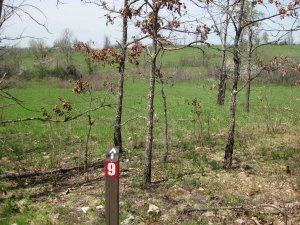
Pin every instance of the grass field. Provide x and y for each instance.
(267, 140)
(282, 102)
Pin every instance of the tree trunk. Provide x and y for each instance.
(249, 64)
(248, 89)
(231, 132)
(118, 116)
(248, 85)
(119, 101)
(166, 135)
(223, 74)
(88, 135)
(69, 55)
(149, 139)
(223, 80)
(1, 8)
(234, 91)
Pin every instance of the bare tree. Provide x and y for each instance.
(20, 9)
(219, 12)
(290, 38)
(249, 60)
(125, 13)
(153, 30)
(165, 109)
(240, 23)
(265, 37)
(223, 73)
(234, 90)
(152, 25)
(106, 42)
(38, 48)
(166, 128)
(65, 45)
(119, 100)
(253, 70)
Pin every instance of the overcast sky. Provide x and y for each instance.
(87, 22)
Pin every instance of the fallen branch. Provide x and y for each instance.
(237, 208)
(12, 175)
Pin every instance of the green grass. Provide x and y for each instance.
(280, 50)
(282, 108)
(13, 212)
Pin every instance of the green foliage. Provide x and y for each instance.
(10, 64)
(9, 208)
(275, 155)
(214, 165)
(283, 153)
(21, 212)
(232, 199)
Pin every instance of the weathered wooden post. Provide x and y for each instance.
(112, 186)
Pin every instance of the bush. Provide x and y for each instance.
(192, 61)
(42, 70)
(72, 72)
(277, 78)
(64, 73)
(10, 63)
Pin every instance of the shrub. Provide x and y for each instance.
(42, 70)
(10, 63)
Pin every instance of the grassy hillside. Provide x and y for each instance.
(193, 60)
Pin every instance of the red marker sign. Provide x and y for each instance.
(111, 169)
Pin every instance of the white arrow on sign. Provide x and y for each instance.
(112, 152)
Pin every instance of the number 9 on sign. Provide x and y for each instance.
(111, 169)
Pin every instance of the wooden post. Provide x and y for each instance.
(112, 186)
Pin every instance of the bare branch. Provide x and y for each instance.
(268, 17)
(134, 118)
(67, 119)
(2, 78)
(19, 102)
(191, 44)
(252, 78)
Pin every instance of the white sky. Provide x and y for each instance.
(87, 22)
